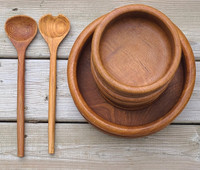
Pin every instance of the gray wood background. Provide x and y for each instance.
(78, 144)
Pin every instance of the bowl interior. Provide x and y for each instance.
(136, 49)
(101, 107)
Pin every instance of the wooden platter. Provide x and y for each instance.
(121, 122)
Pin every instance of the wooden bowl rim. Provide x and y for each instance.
(118, 86)
(128, 131)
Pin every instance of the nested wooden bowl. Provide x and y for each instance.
(135, 53)
(114, 120)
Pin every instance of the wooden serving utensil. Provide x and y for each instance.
(53, 30)
(21, 30)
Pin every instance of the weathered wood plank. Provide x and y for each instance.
(84, 147)
(184, 13)
(36, 93)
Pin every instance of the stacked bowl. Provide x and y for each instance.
(135, 53)
(131, 72)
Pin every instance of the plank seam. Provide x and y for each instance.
(76, 122)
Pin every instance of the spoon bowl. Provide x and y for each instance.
(54, 27)
(21, 30)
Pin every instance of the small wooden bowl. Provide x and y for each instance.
(114, 120)
(136, 51)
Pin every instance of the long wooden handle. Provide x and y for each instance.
(20, 103)
(52, 101)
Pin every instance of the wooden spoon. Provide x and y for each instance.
(21, 30)
(53, 30)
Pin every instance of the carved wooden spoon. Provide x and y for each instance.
(21, 30)
(53, 30)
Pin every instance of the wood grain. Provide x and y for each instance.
(21, 30)
(53, 29)
(36, 93)
(84, 147)
(126, 52)
(81, 146)
(185, 14)
(93, 106)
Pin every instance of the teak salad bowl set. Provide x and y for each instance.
(130, 72)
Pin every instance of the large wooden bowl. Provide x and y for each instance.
(135, 53)
(114, 120)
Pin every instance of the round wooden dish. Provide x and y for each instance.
(121, 122)
(135, 51)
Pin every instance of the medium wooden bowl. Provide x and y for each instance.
(114, 120)
(136, 51)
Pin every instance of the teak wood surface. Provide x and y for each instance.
(21, 30)
(110, 118)
(79, 145)
(135, 53)
(53, 30)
